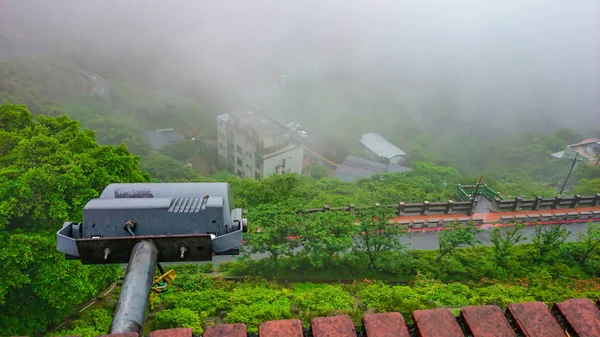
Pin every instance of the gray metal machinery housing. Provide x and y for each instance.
(144, 224)
(200, 217)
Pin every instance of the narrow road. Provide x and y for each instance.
(429, 240)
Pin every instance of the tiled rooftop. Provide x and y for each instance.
(574, 317)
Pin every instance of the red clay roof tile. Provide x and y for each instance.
(581, 315)
(334, 326)
(389, 324)
(535, 320)
(486, 321)
(180, 332)
(284, 328)
(437, 322)
(226, 330)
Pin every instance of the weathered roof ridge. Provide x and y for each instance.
(578, 317)
(380, 145)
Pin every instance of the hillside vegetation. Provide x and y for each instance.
(53, 87)
(60, 145)
(517, 163)
(49, 169)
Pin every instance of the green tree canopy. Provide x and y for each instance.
(50, 168)
(167, 169)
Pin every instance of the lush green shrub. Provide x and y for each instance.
(226, 266)
(209, 301)
(500, 295)
(248, 294)
(254, 313)
(192, 281)
(403, 299)
(323, 301)
(253, 304)
(179, 318)
(206, 268)
(91, 323)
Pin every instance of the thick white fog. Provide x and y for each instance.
(495, 62)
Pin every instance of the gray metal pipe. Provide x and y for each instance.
(131, 309)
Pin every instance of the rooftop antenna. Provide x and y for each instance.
(145, 224)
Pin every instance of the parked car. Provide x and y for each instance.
(302, 134)
(293, 126)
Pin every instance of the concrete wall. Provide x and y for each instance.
(424, 208)
(397, 160)
(372, 155)
(243, 144)
(222, 140)
(570, 153)
(540, 203)
(586, 153)
(293, 162)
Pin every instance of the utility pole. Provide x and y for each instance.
(574, 161)
(471, 210)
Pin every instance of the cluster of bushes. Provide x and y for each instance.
(91, 323)
(548, 269)
(217, 301)
(339, 245)
(214, 300)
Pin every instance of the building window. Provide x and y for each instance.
(239, 162)
(238, 149)
(257, 175)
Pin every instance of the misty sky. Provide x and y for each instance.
(489, 57)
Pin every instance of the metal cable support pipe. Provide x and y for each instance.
(131, 308)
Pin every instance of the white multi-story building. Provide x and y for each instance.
(254, 145)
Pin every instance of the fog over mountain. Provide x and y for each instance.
(500, 64)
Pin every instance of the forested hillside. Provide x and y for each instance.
(70, 139)
(55, 86)
(465, 88)
(51, 167)
(52, 163)
(515, 164)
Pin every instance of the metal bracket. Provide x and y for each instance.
(94, 251)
